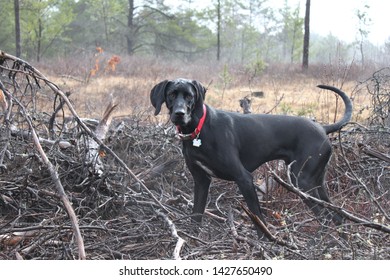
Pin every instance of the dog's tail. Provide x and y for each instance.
(347, 114)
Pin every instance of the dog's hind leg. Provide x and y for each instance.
(310, 179)
(323, 194)
(247, 189)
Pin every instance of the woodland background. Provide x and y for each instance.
(233, 31)
(87, 171)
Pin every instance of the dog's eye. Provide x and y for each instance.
(189, 97)
(171, 95)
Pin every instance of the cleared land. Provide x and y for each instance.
(122, 216)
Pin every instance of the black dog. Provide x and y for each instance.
(231, 145)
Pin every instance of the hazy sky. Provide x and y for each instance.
(337, 17)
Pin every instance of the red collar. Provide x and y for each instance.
(196, 132)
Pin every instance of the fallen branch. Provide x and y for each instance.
(63, 144)
(374, 153)
(180, 241)
(361, 182)
(39, 76)
(53, 116)
(265, 230)
(290, 187)
(103, 145)
(242, 238)
(93, 158)
(16, 230)
(57, 182)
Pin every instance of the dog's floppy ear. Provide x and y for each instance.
(157, 96)
(200, 89)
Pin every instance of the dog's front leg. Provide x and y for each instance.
(201, 190)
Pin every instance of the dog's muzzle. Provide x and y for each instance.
(180, 115)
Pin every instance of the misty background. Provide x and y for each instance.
(247, 32)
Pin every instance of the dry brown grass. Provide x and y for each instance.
(284, 85)
(289, 92)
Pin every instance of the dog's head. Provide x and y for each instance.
(181, 97)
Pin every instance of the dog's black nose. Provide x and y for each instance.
(180, 112)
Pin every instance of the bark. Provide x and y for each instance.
(306, 38)
(18, 47)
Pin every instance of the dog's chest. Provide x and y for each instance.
(198, 156)
(205, 168)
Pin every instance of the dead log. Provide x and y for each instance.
(94, 154)
(246, 104)
(374, 153)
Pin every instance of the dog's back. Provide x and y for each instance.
(259, 138)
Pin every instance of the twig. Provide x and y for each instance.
(18, 256)
(232, 226)
(180, 241)
(193, 237)
(374, 153)
(106, 148)
(289, 186)
(361, 181)
(63, 144)
(53, 116)
(47, 227)
(55, 88)
(57, 182)
(265, 230)
(276, 104)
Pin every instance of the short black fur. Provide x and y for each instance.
(234, 145)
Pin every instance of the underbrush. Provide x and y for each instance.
(142, 193)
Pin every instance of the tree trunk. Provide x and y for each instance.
(17, 29)
(130, 26)
(105, 21)
(293, 42)
(306, 38)
(39, 38)
(361, 50)
(219, 30)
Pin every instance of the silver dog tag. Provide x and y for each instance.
(196, 142)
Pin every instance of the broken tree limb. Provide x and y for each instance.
(63, 144)
(53, 116)
(235, 234)
(93, 158)
(374, 153)
(370, 194)
(180, 241)
(289, 186)
(265, 230)
(37, 75)
(3, 100)
(246, 104)
(59, 188)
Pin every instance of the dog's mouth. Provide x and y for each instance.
(181, 120)
(180, 114)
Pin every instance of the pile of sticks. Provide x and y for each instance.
(74, 188)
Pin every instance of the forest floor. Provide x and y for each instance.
(138, 204)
